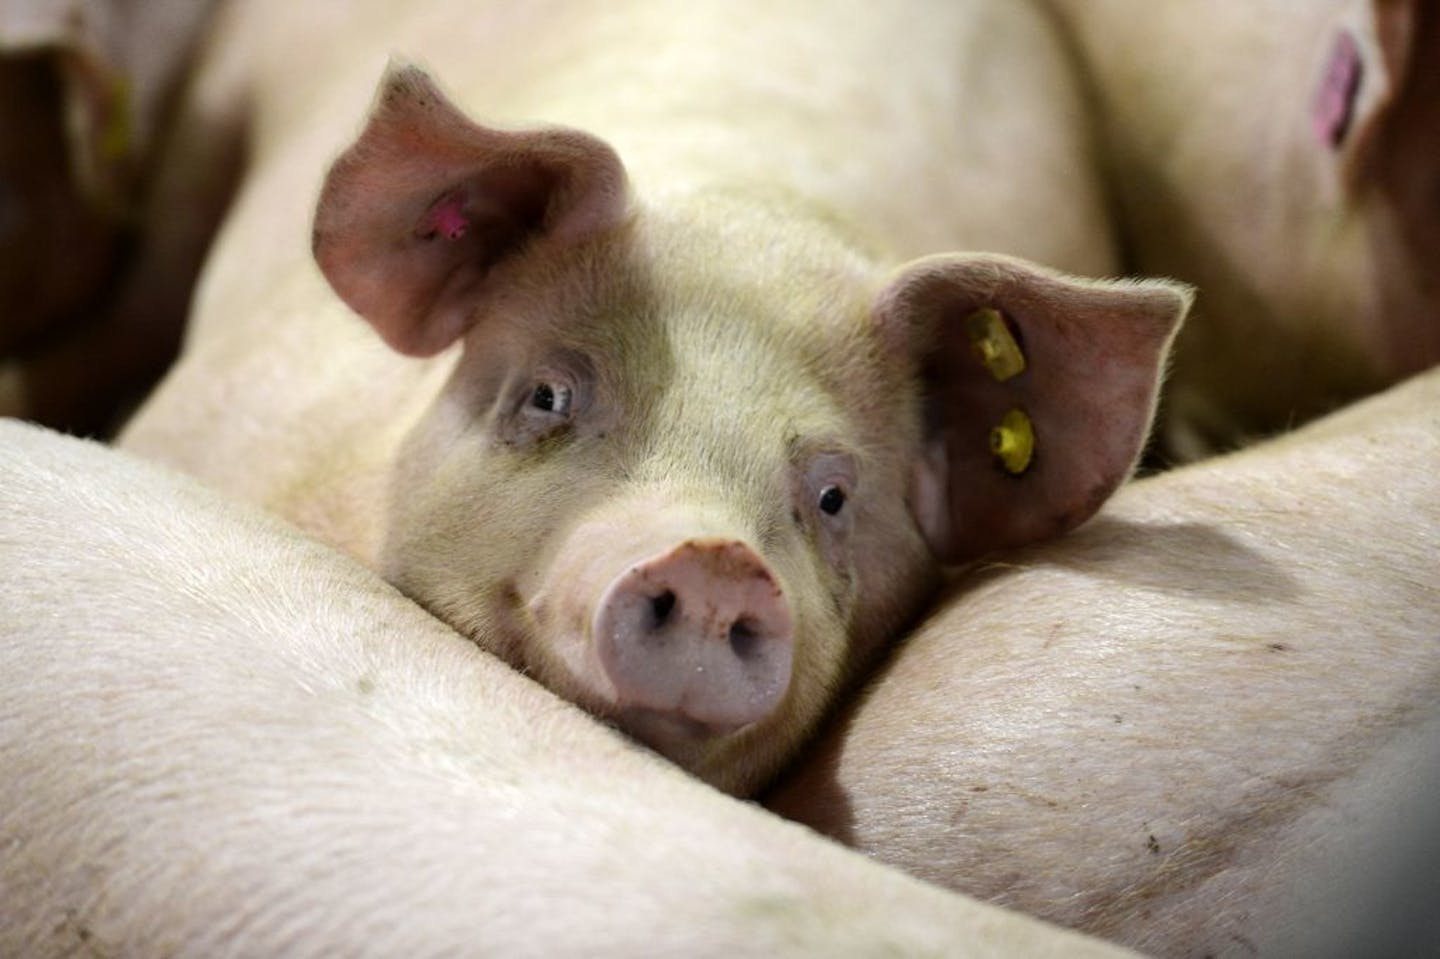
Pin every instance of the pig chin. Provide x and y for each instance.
(727, 759)
(671, 734)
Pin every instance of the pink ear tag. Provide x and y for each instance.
(1334, 105)
(445, 218)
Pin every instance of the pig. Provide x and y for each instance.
(1285, 158)
(100, 237)
(685, 436)
(1176, 727)
(220, 738)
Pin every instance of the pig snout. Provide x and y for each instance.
(701, 633)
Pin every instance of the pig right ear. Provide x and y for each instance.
(417, 215)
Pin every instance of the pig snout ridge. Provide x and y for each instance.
(701, 633)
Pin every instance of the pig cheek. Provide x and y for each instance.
(895, 574)
(834, 559)
(824, 594)
(557, 586)
(822, 600)
(524, 624)
(559, 652)
(467, 537)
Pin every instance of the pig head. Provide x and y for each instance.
(701, 453)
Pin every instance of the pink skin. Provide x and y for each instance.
(447, 218)
(1335, 101)
(700, 632)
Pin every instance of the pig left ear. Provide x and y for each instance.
(418, 215)
(1039, 391)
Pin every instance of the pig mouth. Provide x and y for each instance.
(667, 730)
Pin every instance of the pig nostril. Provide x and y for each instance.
(744, 639)
(661, 607)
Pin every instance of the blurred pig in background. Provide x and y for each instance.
(100, 241)
(1283, 157)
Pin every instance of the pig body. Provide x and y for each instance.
(713, 419)
(1177, 727)
(223, 739)
(1285, 158)
(220, 737)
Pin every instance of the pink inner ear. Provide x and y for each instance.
(1334, 105)
(445, 218)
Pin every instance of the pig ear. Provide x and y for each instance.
(1376, 100)
(1039, 390)
(416, 217)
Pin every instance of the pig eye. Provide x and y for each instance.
(552, 398)
(832, 500)
(547, 401)
(830, 477)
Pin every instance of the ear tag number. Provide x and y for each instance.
(1013, 442)
(994, 345)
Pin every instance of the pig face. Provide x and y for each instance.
(657, 498)
(698, 460)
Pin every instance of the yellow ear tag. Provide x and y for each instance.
(115, 138)
(1013, 442)
(994, 346)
